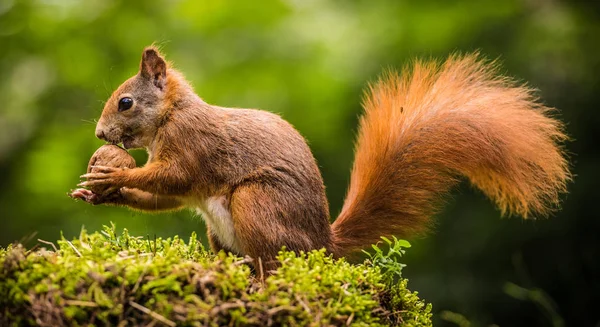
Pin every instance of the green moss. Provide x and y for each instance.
(105, 278)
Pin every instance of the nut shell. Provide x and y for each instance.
(111, 156)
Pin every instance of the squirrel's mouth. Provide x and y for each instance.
(127, 141)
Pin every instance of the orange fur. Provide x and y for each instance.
(425, 129)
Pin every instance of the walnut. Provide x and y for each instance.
(111, 156)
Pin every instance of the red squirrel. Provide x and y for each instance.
(255, 182)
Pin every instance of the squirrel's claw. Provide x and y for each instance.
(101, 172)
(95, 182)
(107, 176)
(95, 176)
(99, 175)
(105, 169)
(101, 179)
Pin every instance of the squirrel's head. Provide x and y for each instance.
(135, 111)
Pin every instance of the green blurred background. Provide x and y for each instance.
(310, 61)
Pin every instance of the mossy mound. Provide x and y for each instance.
(121, 280)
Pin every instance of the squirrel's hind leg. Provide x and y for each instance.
(264, 220)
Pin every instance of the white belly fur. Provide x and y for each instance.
(216, 214)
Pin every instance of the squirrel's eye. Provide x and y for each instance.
(125, 103)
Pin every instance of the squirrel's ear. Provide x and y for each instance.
(153, 67)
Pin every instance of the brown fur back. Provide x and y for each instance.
(435, 123)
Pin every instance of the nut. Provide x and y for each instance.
(111, 156)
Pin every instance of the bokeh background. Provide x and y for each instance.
(309, 61)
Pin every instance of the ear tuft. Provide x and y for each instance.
(153, 67)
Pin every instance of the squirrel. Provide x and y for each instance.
(254, 180)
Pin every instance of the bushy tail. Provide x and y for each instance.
(425, 129)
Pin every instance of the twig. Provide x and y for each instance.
(349, 321)
(81, 303)
(49, 243)
(226, 306)
(246, 259)
(276, 310)
(74, 248)
(262, 273)
(137, 283)
(34, 248)
(153, 314)
(302, 303)
(134, 256)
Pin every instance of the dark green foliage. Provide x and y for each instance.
(105, 278)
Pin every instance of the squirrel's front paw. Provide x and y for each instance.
(103, 176)
(86, 195)
(93, 198)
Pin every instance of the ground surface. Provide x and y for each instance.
(108, 279)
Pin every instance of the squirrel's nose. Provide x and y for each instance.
(100, 127)
(100, 134)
